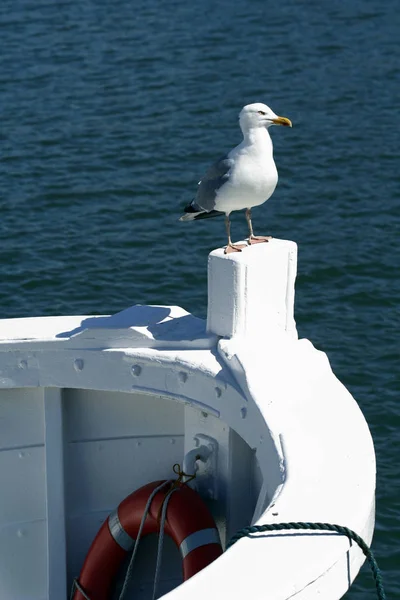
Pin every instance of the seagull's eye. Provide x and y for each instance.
(261, 112)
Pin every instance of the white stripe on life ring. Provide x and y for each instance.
(119, 534)
(197, 539)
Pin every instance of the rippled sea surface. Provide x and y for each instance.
(112, 110)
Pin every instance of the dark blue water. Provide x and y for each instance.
(111, 111)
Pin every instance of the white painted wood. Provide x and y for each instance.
(23, 543)
(237, 488)
(22, 476)
(245, 487)
(23, 561)
(252, 289)
(102, 473)
(290, 326)
(135, 327)
(100, 415)
(55, 509)
(21, 418)
(80, 533)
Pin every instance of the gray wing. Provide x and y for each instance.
(216, 176)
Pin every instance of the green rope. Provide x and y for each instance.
(352, 535)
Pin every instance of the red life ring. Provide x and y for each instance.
(188, 522)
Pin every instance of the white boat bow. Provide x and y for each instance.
(91, 408)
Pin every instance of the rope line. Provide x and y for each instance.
(162, 516)
(77, 586)
(161, 538)
(181, 474)
(136, 546)
(339, 529)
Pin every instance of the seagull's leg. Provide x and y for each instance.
(252, 238)
(231, 247)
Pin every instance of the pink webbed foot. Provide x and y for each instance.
(259, 239)
(233, 248)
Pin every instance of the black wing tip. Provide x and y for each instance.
(191, 209)
(208, 215)
(196, 216)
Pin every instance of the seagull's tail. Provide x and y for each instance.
(194, 212)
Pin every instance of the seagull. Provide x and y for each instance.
(243, 178)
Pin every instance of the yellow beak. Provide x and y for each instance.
(282, 121)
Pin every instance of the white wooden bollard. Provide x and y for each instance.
(252, 290)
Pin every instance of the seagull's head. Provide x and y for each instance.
(257, 115)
